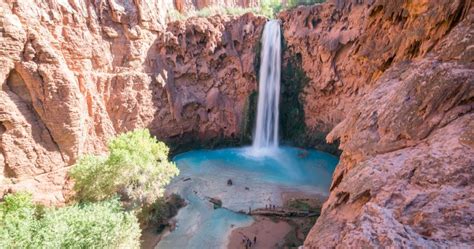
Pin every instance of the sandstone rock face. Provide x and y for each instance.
(190, 5)
(394, 82)
(345, 47)
(75, 73)
(391, 80)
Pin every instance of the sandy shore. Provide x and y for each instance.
(270, 234)
(275, 232)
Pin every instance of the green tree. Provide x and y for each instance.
(137, 169)
(91, 225)
(17, 221)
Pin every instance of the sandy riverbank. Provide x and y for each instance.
(276, 232)
(270, 234)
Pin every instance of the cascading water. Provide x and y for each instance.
(259, 174)
(266, 132)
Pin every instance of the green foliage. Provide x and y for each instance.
(300, 205)
(295, 3)
(137, 169)
(267, 8)
(91, 178)
(217, 10)
(162, 210)
(175, 15)
(98, 225)
(270, 8)
(213, 10)
(17, 221)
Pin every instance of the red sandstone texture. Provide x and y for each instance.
(394, 82)
(191, 5)
(75, 73)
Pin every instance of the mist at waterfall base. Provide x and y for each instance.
(260, 173)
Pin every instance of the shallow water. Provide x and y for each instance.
(257, 180)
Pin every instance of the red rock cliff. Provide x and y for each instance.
(74, 74)
(394, 82)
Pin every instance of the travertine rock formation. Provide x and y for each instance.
(394, 81)
(75, 73)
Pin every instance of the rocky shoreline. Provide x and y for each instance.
(286, 225)
(281, 227)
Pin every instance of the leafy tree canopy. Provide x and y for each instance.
(137, 169)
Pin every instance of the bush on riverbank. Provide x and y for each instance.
(137, 169)
(111, 191)
(93, 225)
(159, 213)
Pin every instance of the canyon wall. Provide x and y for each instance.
(393, 81)
(192, 5)
(75, 73)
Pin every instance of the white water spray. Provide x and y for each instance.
(266, 132)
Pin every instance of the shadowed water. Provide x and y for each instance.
(256, 181)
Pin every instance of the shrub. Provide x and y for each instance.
(294, 3)
(267, 8)
(218, 10)
(270, 8)
(174, 15)
(17, 221)
(137, 168)
(162, 210)
(93, 225)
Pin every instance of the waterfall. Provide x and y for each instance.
(266, 131)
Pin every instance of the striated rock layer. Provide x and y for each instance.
(394, 82)
(75, 73)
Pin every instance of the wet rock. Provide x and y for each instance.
(217, 202)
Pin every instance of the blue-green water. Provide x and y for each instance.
(257, 180)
